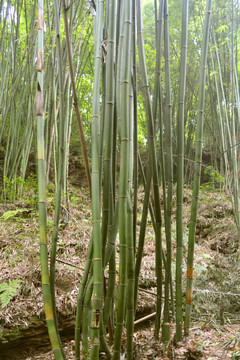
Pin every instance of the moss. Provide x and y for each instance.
(12, 333)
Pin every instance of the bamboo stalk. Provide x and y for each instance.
(80, 298)
(154, 168)
(96, 216)
(124, 176)
(169, 176)
(108, 210)
(197, 167)
(180, 169)
(47, 297)
(76, 104)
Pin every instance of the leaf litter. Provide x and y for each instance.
(215, 249)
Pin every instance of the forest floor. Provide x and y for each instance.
(215, 328)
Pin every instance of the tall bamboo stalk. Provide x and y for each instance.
(135, 117)
(180, 169)
(60, 162)
(169, 176)
(225, 136)
(197, 166)
(96, 215)
(159, 35)
(47, 297)
(234, 128)
(130, 242)
(108, 124)
(154, 168)
(124, 176)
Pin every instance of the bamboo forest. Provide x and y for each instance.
(119, 179)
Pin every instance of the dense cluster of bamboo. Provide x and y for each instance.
(18, 42)
(118, 26)
(108, 292)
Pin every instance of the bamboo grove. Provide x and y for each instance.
(99, 47)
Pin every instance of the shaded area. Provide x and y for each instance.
(34, 341)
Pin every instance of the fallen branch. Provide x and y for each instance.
(68, 263)
(147, 317)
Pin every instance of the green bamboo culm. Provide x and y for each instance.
(235, 130)
(80, 298)
(124, 177)
(47, 298)
(110, 257)
(141, 240)
(96, 213)
(60, 167)
(180, 169)
(135, 125)
(154, 167)
(130, 283)
(76, 104)
(225, 136)
(17, 91)
(108, 208)
(86, 320)
(130, 240)
(159, 32)
(169, 177)
(197, 166)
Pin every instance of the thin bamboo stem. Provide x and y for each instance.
(180, 169)
(47, 297)
(197, 167)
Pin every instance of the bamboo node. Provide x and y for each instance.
(95, 342)
(120, 324)
(123, 246)
(97, 318)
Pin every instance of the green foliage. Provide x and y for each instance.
(21, 189)
(222, 28)
(8, 291)
(216, 179)
(13, 213)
